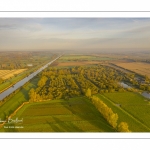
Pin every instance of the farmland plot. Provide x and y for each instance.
(5, 74)
(137, 67)
(74, 115)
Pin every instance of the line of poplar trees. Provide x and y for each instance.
(107, 113)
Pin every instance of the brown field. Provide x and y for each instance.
(77, 63)
(137, 67)
(5, 74)
(117, 68)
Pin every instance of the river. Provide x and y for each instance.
(23, 81)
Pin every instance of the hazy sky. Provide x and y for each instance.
(74, 33)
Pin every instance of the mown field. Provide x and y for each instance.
(13, 80)
(74, 115)
(138, 67)
(5, 74)
(131, 107)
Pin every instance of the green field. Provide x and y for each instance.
(68, 58)
(73, 115)
(134, 103)
(134, 109)
(15, 101)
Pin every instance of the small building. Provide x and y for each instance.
(29, 65)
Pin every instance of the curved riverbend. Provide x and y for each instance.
(23, 81)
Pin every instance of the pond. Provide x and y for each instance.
(124, 85)
(146, 95)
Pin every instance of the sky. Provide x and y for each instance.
(112, 34)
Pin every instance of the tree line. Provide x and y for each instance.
(107, 113)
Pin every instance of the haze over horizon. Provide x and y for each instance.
(99, 34)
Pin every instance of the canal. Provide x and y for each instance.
(23, 81)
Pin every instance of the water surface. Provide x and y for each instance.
(146, 95)
(124, 85)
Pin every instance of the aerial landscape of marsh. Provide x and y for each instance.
(74, 75)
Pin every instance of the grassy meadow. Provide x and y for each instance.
(131, 108)
(74, 115)
(134, 103)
